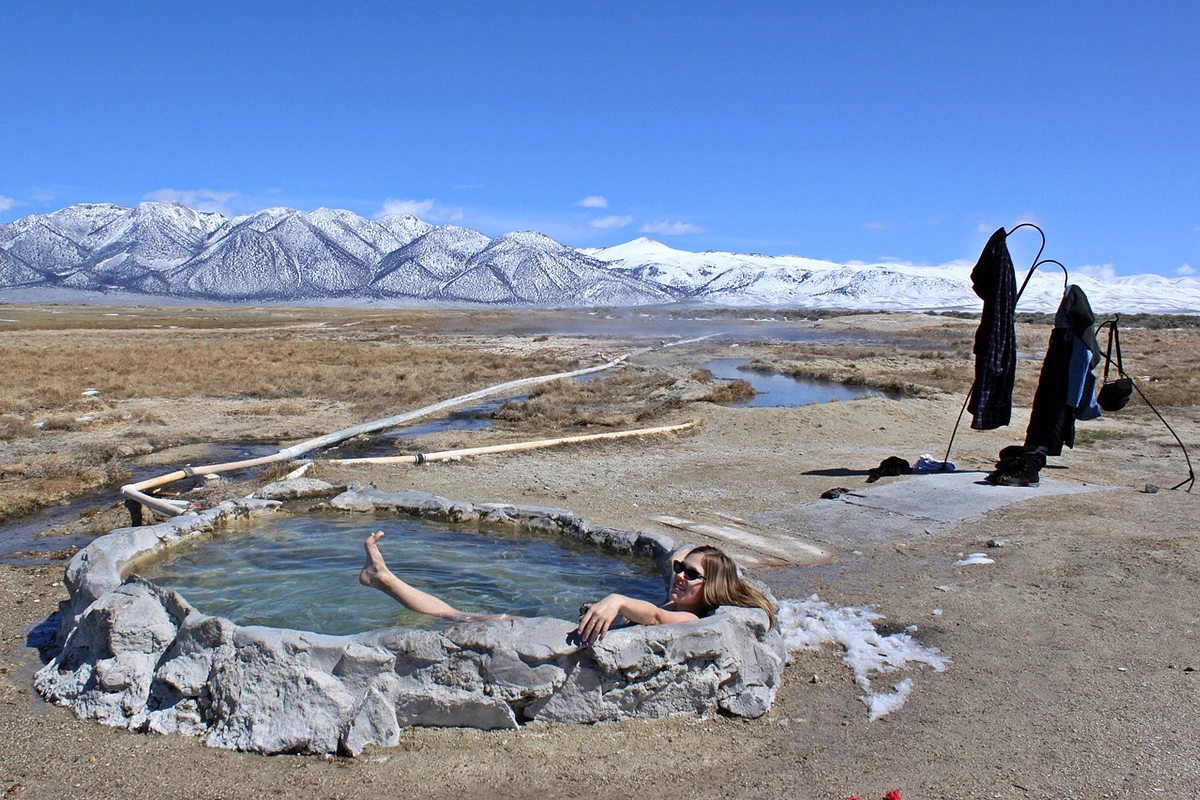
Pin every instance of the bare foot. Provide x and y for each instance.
(374, 565)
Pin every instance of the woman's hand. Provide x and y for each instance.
(596, 621)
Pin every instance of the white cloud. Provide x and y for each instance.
(6, 203)
(879, 226)
(1185, 270)
(428, 210)
(985, 224)
(611, 222)
(199, 199)
(416, 208)
(593, 201)
(1102, 272)
(666, 228)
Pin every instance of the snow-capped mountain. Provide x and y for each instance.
(280, 253)
(729, 279)
(284, 255)
(529, 268)
(742, 280)
(167, 248)
(431, 260)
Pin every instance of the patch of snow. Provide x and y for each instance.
(810, 624)
(886, 703)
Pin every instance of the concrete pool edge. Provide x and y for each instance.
(137, 656)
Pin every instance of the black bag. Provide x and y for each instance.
(1114, 394)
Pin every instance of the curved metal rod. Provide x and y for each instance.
(1036, 264)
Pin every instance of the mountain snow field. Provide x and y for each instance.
(167, 250)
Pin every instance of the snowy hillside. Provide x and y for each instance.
(741, 280)
(283, 255)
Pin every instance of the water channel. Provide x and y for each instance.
(773, 390)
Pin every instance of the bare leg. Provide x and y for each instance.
(375, 573)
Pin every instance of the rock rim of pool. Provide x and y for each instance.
(134, 655)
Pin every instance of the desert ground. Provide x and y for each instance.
(1075, 659)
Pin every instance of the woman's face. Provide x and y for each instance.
(687, 594)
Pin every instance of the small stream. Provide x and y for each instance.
(776, 391)
(23, 541)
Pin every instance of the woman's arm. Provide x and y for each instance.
(600, 617)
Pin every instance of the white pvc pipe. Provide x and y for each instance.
(537, 444)
(134, 491)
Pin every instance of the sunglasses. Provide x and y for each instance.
(688, 572)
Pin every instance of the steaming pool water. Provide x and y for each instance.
(302, 573)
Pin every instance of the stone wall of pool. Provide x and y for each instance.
(134, 655)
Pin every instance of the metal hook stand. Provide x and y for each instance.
(1036, 263)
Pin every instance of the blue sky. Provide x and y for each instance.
(845, 131)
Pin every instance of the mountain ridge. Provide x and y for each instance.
(165, 249)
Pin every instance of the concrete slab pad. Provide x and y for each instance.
(908, 507)
(954, 496)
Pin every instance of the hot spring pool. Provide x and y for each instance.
(302, 573)
(133, 655)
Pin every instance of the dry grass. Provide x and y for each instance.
(46, 374)
(1165, 364)
(291, 370)
(633, 395)
(30, 485)
(15, 427)
(887, 370)
(622, 398)
(734, 391)
(55, 442)
(41, 385)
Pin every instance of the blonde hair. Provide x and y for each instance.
(723, 586)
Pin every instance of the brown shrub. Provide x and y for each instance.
(734, 391)
(621, 398)
(13, 427)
